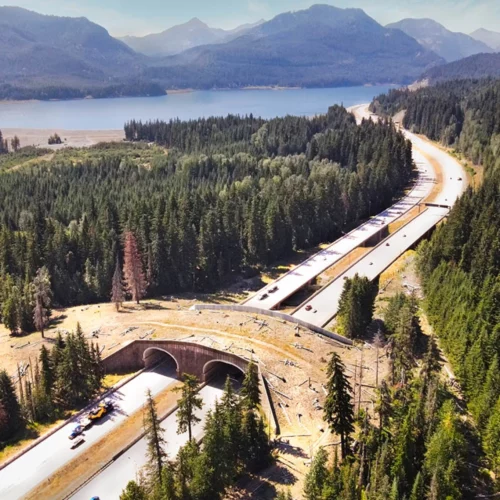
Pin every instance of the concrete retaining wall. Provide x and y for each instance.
(273, 314)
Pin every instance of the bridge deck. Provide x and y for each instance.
(306, 272)
(324, 304)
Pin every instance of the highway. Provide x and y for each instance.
(308, 270)
(324, 304)
(112, 480)
(25, 473)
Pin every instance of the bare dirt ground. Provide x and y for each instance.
(71, 138)
(293, 362)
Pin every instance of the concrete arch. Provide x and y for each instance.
(210, 366)
(151, 356)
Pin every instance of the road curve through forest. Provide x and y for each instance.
(29, 470)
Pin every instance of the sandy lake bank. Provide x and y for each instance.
(71, 138)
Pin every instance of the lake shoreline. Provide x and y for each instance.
(71, 138)
(191, 91)
(112, 114)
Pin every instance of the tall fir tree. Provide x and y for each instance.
(43, 299)
(250, 389)
(187, 404)
(338, 409)
(10, 404)
(117, 289)
(154, 435)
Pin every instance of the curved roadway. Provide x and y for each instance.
(29, 470)
(308, 270)
(323, 306)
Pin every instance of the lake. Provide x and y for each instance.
(109, 114)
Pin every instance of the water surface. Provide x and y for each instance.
(108, 114)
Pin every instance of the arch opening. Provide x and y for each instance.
(160, 360)
(218, 370)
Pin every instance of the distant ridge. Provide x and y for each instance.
(183, 37)
(477, 66)
(50, 57)
(447, 44)
(321, 46)
(490, 38)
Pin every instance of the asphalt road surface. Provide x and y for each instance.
(25, 473)
(324, 305)
(305, 272)
(109, 484)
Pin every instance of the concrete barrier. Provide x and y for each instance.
(273, 314)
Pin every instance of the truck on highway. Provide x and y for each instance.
(103, 409)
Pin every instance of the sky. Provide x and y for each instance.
(132, 17)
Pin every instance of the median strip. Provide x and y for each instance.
(77, 472)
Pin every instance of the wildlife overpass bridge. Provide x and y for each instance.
(189, 357)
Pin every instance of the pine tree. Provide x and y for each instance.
(10, 312)
(431, 365)
(187, 404)
(47, 371)
(156, 455)
(10, 403)
(418, 490)
(133, 491)
(186, 459)
(231, 418)
(356, 306)
(255, 449)
(15, 143)
(132, 268)
(167, 491)
(209, 471)
(117, 290)
(338, 409)
(43, 298)
(317, 477)
(492, 438)
(250, 389)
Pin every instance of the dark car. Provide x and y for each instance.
(77, 443)
(76, 432)
(309, 307)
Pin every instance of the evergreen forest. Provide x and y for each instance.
(460, 265)
(224, 196)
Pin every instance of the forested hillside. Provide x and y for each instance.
(322, 46)
(231, 194)
(460, 266)
(464, 114)
(476, 66)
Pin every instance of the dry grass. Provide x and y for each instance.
(271, 346)
(32, 432)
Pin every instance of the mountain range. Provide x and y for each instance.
(56, 57)
(321, 46)
(43, 50)
(183, 37)
(490, 38)
(447, 44)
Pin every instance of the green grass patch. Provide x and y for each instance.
(23, 155)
